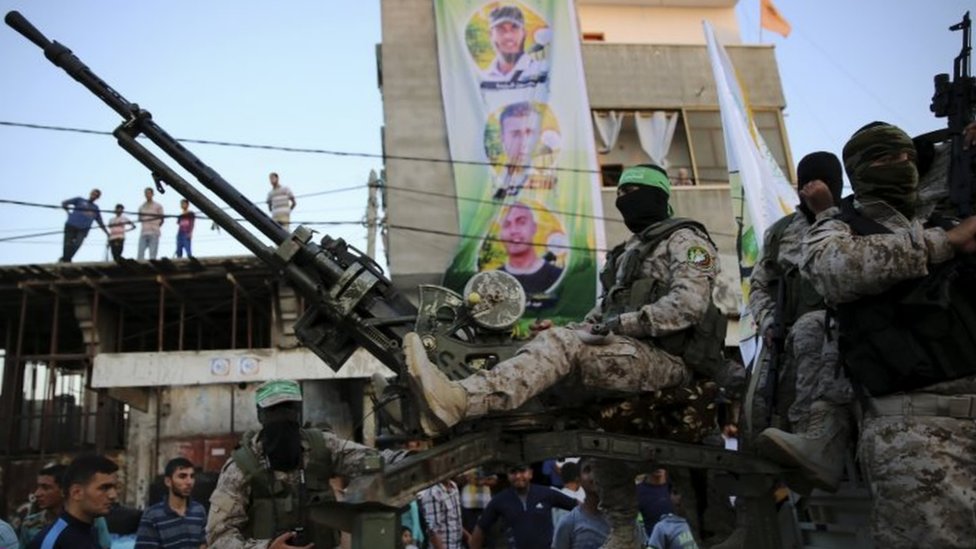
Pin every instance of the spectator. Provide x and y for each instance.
(654, 498)
(569, 473)
(280, 201)
(441, 507)
(177, 522)
(90, 490)
(406, 538)
(81, 213)
(47, 498)
(585, 527)
(8, 539)
(672, 531)
(525, 507)
(475, 496)
(116, 231)
(185, 231)
(151, 218)
(683, 178)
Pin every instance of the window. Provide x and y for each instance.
(611, 174)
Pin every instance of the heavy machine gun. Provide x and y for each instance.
(352, 304)
(955, 100)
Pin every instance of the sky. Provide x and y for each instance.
(302, 74)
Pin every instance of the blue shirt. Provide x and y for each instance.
(581, 530)
(672, 532)
(161, 526)
(66, 533)
(83, 212)
(531, 522)
(653, 501)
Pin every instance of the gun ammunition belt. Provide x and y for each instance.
(962, 407)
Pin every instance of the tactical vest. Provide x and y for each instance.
(626, 290)
(801, 296)
(917, 333)
(274, 505)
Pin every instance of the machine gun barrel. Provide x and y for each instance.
(352, 303)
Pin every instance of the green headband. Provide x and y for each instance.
(277, 391)
(642, 175)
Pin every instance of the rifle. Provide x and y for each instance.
(955, 100)
(776, 350)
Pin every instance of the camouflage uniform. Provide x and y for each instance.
(920, 467)
(686, 263)
(230, 500)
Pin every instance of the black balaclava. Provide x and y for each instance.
(824, 166)
(643, 207)
(647, 203)
(897, 183)
(281, 436)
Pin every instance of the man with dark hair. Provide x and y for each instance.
(177, 522)
(511, 64)
(904, 290)
(518, 233)
(90, 489)
(585, 527)
(81, 213)
(655, 324)
(47, 498)
(817, 402)
(282, 466)
(526, 508)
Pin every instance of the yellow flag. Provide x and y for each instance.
(771, 19)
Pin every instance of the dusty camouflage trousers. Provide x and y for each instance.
(922, 472)
(622, 365)
(813, 356)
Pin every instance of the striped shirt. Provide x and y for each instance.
(279, 200)
(161, 526)
(441, 507)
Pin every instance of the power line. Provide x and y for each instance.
(306, 150)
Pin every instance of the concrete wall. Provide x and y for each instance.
(656, 24)
(619, 76)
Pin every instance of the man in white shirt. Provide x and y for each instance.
(151, 218)
(280, 201)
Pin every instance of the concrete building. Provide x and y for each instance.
(639, 56)
(146, 361)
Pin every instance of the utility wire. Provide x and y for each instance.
(307, 150)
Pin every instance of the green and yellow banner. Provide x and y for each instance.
(521, 136)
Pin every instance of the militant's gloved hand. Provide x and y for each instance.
(626, 324)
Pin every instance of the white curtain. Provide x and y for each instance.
(656, 131)
(608, 124)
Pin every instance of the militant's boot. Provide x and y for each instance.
(819, 450)
(443, 402)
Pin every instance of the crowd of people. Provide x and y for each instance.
(83, 212)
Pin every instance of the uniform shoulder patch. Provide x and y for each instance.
(700, 257)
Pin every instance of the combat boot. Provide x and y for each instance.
(819, 450)
(443, 402)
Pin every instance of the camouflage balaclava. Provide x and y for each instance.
(895, 183)
(824, 166)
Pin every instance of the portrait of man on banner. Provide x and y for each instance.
(509, 44)
(528, 242)
(522, 143)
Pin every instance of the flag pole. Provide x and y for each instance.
(759, 19)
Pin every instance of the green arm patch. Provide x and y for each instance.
(699, 257)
